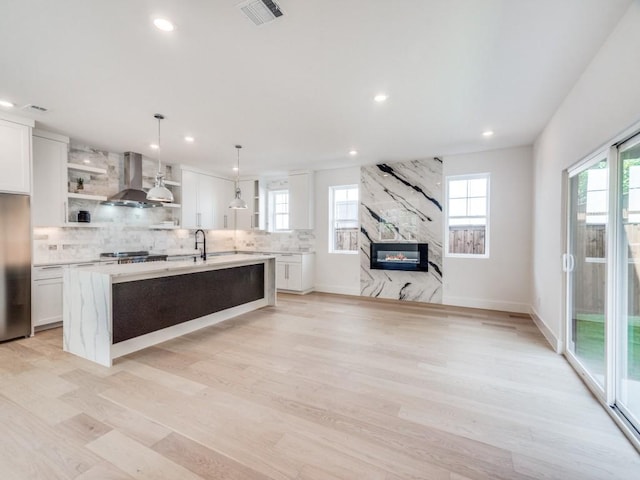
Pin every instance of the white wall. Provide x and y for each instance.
(335, 272)
(604, 102)
(502, 281)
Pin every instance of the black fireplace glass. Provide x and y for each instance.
(412, 257)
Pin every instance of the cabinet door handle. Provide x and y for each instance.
(64, 212)
(52, 267)
(225, 221)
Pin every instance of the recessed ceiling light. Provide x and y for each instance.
(154, 146)
(6, 103)
(487, 133)
(381, 97)
(189, 139)
(164, 25)
(235, 169)
(87, 161)
(353, 152)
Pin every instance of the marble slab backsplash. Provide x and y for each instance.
(402, 202)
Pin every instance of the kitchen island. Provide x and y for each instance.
(110, 311)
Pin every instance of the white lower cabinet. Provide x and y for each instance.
(46, 294)
(295, 272)
(46, 298)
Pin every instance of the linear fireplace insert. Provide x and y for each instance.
(411, 257)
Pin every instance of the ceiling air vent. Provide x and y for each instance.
(34, 108)
(260, 11)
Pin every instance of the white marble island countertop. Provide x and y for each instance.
(113, 310)
(138, 271)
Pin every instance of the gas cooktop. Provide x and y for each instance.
(139, 256)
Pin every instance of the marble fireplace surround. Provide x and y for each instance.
(402, 202)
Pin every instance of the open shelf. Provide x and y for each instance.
(84, 225)
(171, 205)
(86, 168)
(85, 196)
(164, 227)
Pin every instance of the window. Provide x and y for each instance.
(278, 210)
(468, 215)
(343, 219)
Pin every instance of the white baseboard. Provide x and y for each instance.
(554, 341)
(500, 305)
(341, 290)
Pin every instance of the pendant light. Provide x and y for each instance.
(159, 192)
(237, 203)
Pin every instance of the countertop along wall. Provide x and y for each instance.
(603, 103)
(502, 281)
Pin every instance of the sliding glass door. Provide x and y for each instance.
(603, 276)
(628, 332)
(586, 264)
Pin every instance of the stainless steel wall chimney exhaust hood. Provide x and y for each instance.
(132, 195)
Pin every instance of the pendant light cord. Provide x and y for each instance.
(238, 147)
(160, 117)
(159, 147)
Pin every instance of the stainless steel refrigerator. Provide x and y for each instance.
(15, 266)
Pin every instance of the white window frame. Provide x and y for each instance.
(271, 227)
(473, 176)
(332, 208)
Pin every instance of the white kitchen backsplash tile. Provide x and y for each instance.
(52, 245)
(262, 241)
(112, 182)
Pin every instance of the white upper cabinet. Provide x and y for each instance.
(197, 211)
(224, 192)
(49, 197)
(15, 155)
(301, 201)
(205, 201)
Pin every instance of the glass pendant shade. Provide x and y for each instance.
(159, 192)
(237, 203)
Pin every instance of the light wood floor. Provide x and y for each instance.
(319, 387)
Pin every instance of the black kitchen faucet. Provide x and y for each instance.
(203, 255)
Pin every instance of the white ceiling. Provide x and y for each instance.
(297, 93)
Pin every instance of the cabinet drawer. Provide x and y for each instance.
(289, 257)
(49, 271)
